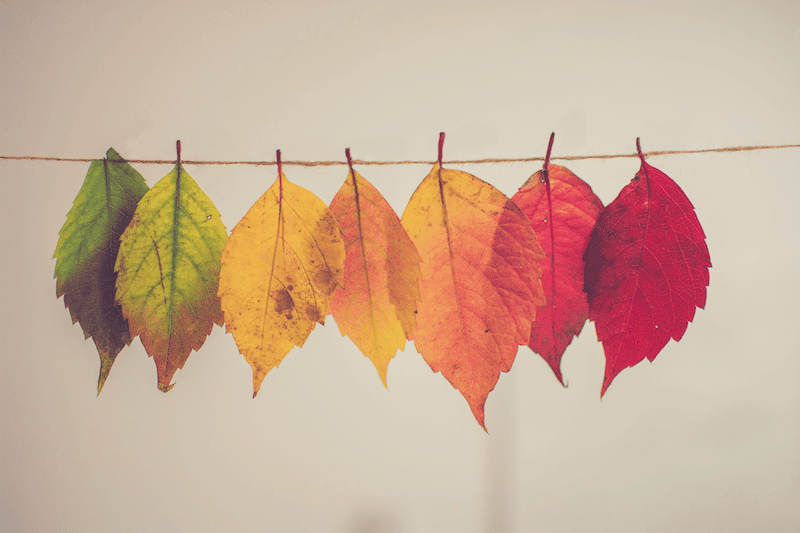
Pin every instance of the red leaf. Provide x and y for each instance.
(646, 270)
(563, 210)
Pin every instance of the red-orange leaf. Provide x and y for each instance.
(377, 306)
(563, 211)
(646, 270)
(480, 281)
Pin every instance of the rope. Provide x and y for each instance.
(362, 162)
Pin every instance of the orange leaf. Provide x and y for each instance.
(377, 306)
(563, 211)
(281, 263)
(480, 280)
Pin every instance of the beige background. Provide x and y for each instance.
(707, 438)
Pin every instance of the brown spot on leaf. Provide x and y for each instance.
(324, 280)
(284, 304)
(312, 313)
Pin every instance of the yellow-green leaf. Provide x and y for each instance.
(87, 249)
(168, 271)
(279, 267)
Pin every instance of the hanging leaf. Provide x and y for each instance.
(168, 270)
(280, 265)
(480, 282)
(563, 211)
(87, 249)
(377, 306)
(646, 270)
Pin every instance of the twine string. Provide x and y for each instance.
(405, 162)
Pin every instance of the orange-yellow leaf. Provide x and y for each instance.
(480, 280)
(280, 265)
(377, 306)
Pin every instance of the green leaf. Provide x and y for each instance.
(168, 271)
(87, 250)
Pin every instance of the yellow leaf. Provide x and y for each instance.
(280, 265)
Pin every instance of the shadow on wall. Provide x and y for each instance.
(374, 521)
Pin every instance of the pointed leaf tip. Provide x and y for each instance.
(105, 368)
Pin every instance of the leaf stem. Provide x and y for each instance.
(357, 200)
(349, 160)
(644, 165)
(441, 146)
(549, 149)
(280, 172)
(178, 149)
